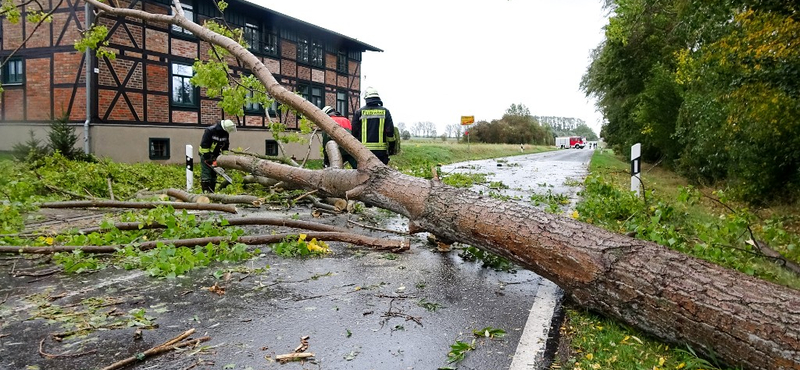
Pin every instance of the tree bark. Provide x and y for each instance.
(742, 320)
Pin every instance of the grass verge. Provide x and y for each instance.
(699, 222)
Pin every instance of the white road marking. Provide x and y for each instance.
(533, 342)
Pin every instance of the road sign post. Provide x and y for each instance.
(466, 121)
(636, 180)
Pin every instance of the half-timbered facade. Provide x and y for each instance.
(141, 104)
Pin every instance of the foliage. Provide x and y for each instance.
(463, 180)
(458, 351)
(600, 343)
(29, 151)
(430, 306)
(708, 87)
(516, 127)
(166, 260)
(62, 138)
(489, 332)
(679, 222)
(96, 38)
(488, 259)
(300, 247)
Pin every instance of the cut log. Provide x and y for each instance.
(220, 198)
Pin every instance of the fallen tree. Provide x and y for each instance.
(719, 312)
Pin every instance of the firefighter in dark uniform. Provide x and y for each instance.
(372, 124)
(215, 141)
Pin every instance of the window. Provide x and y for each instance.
(270, 43)
(317, 54)
(271, 148)
(273, 109)
(341, 102)
(314, 94)
(159, 148)
(188, 12)
(310, 52)
(341, 61)
(183, 92)
(252, 107)
(302, 50)
(13, 72)
(252, 36)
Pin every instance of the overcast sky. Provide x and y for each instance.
(445, 59)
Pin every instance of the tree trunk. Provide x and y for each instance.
(742, 320)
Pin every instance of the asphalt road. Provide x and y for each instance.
(360, 309)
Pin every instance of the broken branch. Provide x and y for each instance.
(117, 204)
(168, 346)
(374, 243)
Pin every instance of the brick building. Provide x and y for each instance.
(141, 104)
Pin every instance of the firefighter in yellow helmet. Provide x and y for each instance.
(216, 139)
(372, 124)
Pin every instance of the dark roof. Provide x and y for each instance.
(284, 20)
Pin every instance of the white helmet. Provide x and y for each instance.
(328, 110)
(371, 92)
(228, 125)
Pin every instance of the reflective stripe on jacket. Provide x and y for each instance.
(371, 143)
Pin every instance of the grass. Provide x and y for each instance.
(429, 152)
(596, 342)
(6, 156)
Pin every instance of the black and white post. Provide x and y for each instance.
(636, 180)
(189, 168)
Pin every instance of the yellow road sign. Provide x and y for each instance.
(467, 120)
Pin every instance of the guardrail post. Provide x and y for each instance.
(636, 180)
(189, 168)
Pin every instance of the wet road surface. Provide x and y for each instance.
(361, 309)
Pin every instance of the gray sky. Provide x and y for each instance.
(447, 59)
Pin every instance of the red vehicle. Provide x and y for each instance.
(577, 142)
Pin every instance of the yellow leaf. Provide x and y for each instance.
(49, 240)
(589, 356)
(661, 361)
(301, 237)
(575, 214)
(681, 366)
(595, 366)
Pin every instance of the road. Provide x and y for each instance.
(360, 309)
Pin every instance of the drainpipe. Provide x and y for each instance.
(88, 78)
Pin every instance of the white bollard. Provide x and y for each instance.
(189, 168)
(636, 154)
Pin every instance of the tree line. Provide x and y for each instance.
(708, 87)
(517, 126)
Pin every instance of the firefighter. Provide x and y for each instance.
(215, 141)
(345, 123)
(372, 124)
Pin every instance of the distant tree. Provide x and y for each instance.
(405, 135)
(585, 131)
(418, 129)
(518, 110)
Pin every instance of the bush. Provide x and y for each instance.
(30, 150)
(63, 139)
